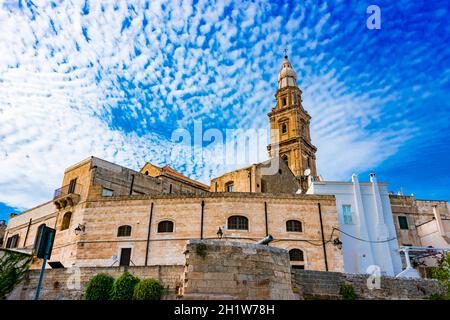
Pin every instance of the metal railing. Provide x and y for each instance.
(68, 189)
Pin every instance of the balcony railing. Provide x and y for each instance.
(67, 196)
(68, 189)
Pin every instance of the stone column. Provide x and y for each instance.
(382, 249)
(363, 233)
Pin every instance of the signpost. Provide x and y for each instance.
(44, 248)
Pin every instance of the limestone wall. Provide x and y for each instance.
(61, 284)
(325, 285)
(232, 270)
(100, 245)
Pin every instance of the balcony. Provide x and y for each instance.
(67, 196)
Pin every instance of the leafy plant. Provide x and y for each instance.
(348, 292)
(442, 274)
(437, 296)
(123, 287)
(99, 287)
(200, 249)
(442, 271)
(148, 289)
(13, 268)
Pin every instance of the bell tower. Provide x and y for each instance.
(289, 127)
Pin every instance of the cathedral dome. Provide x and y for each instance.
(287, 76)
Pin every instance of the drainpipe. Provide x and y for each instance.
(148, 234)
(265, 213)
(132, 183)
(250, 179)
(201, 222)
(323, 238)
(26, 234)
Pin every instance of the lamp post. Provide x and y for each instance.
(79, 229)
(219, 233)
(338, 243)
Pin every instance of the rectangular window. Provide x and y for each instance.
(299, 267)
(12, 242)
(125, 257)
(107, 192)
(72, 185)
(403, 222)
(347, 214)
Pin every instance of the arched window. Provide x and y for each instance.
(285, 158)
(237, 223)
(146, 173)
(293, 226)
(165, 226)
(283, 128)
(38, 234)
(124, 231)
(66, 220)
(229, 186)
(296, 255)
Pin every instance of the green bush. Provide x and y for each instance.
(347, 292)
(148, 289)
(200, 249)
(123, 287)
(13, 268)
(442, 272)
(437, 296)
(99, 287)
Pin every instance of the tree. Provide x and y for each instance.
(123, 287)
(99, 287)
(13, 268)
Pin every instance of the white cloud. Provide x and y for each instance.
(120, 94)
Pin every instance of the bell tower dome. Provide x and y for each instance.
(289, 126)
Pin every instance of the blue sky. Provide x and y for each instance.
(114, 80)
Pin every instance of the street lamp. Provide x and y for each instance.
(338, 243)
(219, 233)
(80, 229)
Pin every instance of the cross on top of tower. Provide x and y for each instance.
(285, 53)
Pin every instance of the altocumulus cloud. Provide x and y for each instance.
(114, 79)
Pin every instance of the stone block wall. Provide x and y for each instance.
(100, 246)
(230, 271)
(233, 270)
(311, 284)
(62, 284)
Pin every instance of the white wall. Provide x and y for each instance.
(372, 221)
